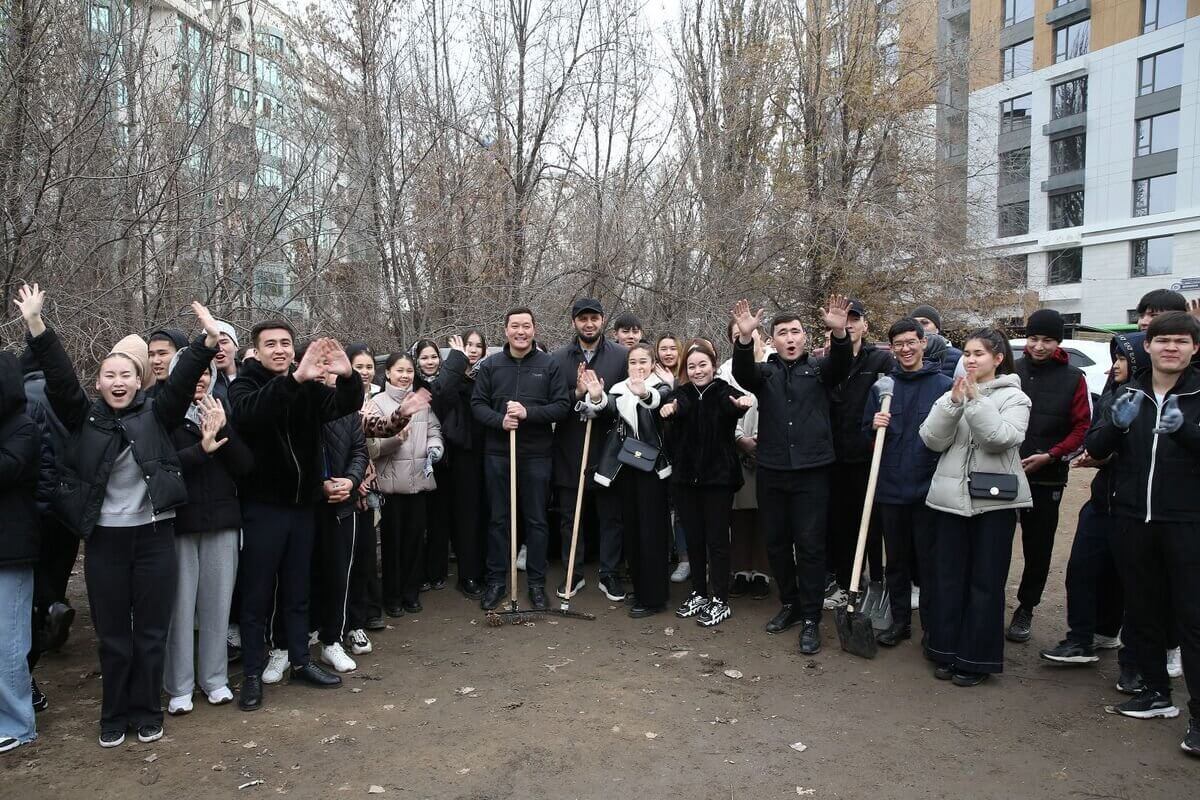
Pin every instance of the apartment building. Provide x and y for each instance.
(1080, 145)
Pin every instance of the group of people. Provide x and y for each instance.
(262, 502)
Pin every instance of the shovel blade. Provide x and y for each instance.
(856, 633)
(877, 605)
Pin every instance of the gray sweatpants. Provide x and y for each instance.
(207, 570)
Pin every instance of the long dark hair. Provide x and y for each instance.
(678, 368)
(996, 343)
(698, 346)
(397, 357)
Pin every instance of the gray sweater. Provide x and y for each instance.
(126, 498)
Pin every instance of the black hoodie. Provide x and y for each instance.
(20, 455)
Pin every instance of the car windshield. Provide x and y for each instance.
(1074, 357)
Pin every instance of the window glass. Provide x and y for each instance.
(1160, 71)
(1152, 256)
(1014, 219)
(1066, 266)
(1161, 13)
(1014, 167)
(1066, 210)
(1017, 11)
(1156, 134)
(1016, 113)
(1154, 195)
(1068, 154)
(1071, 41)
(1016, 60)
(1069, 98)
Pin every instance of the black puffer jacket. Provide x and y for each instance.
(849, 398)
(281, 420)
(211, 479)
(20, 455)
(703, 451)
(344, 455)
(98, 434)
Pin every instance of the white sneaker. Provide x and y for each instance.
(178, 706)
(360, 645)
(233, 637)
(1105, 642)
(1174, 663)
(277, 665)
(914, 599)
(837, 600)
(682, 572)
(522, 554)
(220, 697)
(335, 656)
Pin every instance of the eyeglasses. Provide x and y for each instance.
(912, 344)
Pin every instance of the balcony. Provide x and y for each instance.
(1072, 123)
(1064, 182)
(1067, 13)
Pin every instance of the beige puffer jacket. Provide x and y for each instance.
(981, 435)
(400, 460)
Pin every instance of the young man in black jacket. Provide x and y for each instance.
(280, 409)
(588, 349)
(518, 389)
(1153, 429)
(795, 449)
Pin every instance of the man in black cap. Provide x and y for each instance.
(1058, 422)
(587, 350)
(931, 321)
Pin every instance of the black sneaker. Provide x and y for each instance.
(760, 586)
(714, 613)
(694, 604)
(1021, 627)
(112, 738)
(537, 598)
(412, 606)
(963, 678)
(1146, 704)
(1130, 681)
(1191, 740)
(150, 732)
(9, 743)
(40, 701)
(788, 616)
(562, 587)
(613, 588)
(491, 596)
(376, 624)
(740, 585)
(810, 638)
(943, 672)
(58, 625)
(831, 584)
(1068, 652)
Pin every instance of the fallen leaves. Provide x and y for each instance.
(733, 673)
(799, 747)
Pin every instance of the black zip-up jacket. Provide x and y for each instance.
(281, 421)
(344, 453)
(610, 362)
(1154, 475)
(20, 457)
(849, 398)
(702, 442)
(98, 433)
(211, 478)
(794, 430)
(451, 402)
(534, 381)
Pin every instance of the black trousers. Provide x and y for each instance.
(791, 510)
(438, 522)
(705, 512)
(1038, 525)
(533, 495)
(57, 550)
(966, 620)
(467, 508)
(277, 547)
(647, 528)
(337, 545)
(909, 537)
(1095, 597)
(1160, 564)
(130, 576)
(366, 591)
(402, 544)
(610, 510)
(847, 493)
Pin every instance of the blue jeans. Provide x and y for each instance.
(533, 495)
(16, 695)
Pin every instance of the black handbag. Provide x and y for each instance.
(992, 485)
(636, 453)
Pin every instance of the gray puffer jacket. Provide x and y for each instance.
(981, 435)
(400, 460)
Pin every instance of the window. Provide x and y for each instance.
(267, 71)
(269, 107)
(1068, 154)
(239, 98)
(269, 143)
(240, 61)
(1066, 210)
(1075, 358)
(191, 38)
(1016, 60)
(100, 19)
(1066, 266)
(1161, 13)
(1069, 98)
(271, 42)
(1154, 195)
(1156, 134)
(1160, 71)
(1071, 41)
(1017, 11)
(269, 177)
(1014, 167)
(1016, 113)
(1152, 256)
(1131, 316)
(1014, 219)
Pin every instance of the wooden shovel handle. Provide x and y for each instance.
(869, 502)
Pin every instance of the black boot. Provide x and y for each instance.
(251, 694)
(491, 596)
(788, 616)
(894, 635)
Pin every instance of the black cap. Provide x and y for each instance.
(585, 304)
(1045, 322)
(856, 307)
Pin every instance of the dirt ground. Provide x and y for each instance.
(448, 708)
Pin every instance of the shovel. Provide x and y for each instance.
(856, 630)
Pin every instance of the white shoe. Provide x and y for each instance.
(682, 572)
(360, 645)
(233, 637)
(1105, 642)
(914, 599)
(522, 554)
(220, 697)
(277, 665)
(335, 656)
(1174, 663)
(178, 706)
(837, 600)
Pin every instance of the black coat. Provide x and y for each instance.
(344, 455)
(794, 429)
(281, 421)
(610, 362)
(703, 452)
(98, 434)
(534, 381)
(20, 457)
(616, 429)
(211, 479)
(849, 398)
(452, 402)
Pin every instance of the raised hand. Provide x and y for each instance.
(836, 313)
(958, 392)
(30, 300)
(415, 402)
(580, 389)
(1170, 418)
(746, 322)
(456, 343)
(336, 360)
(667, 409)
(593, 385)
(745, 401)
(1125, 409)
(638, 387)
(665, 375)
(312, 366)
(212, 420)
(205, 318)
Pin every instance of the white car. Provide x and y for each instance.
(1093, 358)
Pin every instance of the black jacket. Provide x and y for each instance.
(211, 479)
(703, 451)
(20, 457)
(536, 382)
(1058, 415)
(849, 398)
(98, 434)
(617, 428)
(610, 362)
(281, 420)
(1154, 475)
(452, 402)
(344, 455)
(794, 430)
